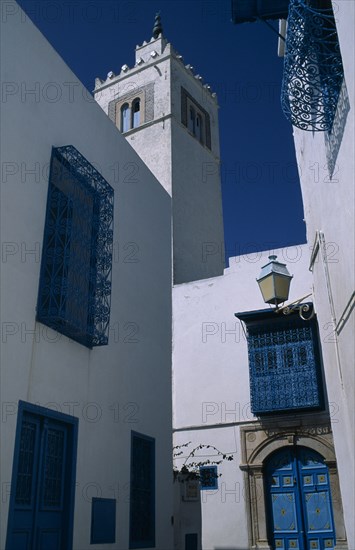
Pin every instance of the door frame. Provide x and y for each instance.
(258, 442)
(72, 423)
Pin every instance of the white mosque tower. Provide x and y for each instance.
(170, 118)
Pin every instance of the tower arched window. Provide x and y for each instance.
(196, 119)
(136, 112)
(125, 117)
(198, 127)
(191, 120)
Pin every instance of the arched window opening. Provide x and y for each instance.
(125, 118)
(191, 121)
(136, 113)
(198, 128)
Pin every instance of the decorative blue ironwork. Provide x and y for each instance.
(24, 484)
(54, 468)
(313, 69)
(334, 138)
(284, 369)
(75, 285)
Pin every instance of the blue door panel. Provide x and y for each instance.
(49, 539)
(21, 539)
(40, 516)
(300, 508)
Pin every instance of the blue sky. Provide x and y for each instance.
(261, 193)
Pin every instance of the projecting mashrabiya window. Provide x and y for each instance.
(284, 365)
(75, 280)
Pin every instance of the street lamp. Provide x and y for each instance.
(274, 282)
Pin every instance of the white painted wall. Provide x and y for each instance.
(211, 398)
(128, 382)
(329, 207)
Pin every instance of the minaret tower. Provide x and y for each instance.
(170, 118)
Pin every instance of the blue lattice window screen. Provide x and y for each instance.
(284, 367)
(208, 477)
(75, 283)
(313, 69)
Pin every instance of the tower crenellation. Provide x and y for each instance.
(169, 115)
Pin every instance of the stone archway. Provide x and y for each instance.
(258, 442)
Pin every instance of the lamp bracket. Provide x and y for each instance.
(296, 305)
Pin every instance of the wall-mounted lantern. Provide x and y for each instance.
(274, 282)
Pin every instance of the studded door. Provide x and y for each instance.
(298, 492)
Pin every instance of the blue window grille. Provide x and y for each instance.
(103, 521)
(284, 363)
(313, 69)
(142, 492)
(208, 477)
(75, 282)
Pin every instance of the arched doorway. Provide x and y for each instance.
(298, 500)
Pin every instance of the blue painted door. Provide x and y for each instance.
(298, 493)
(41, 508)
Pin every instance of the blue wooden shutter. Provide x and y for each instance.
(142, 501)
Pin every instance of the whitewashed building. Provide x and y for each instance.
(85, 318)
(277, 392)
(218, 385)
(87, 375)
(326, 169)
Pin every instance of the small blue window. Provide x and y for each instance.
(191, 540)
(103, 521)
(75, 282)
(208, 477)
(142, 494)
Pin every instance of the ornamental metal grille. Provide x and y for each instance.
(284, 367)
(313, 69)
(25, 472)
(75, 284)
(54, 468)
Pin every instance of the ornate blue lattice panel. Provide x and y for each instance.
(54, 468)
(313, 69)
(284, 366)
(75, 283)
(25, 473)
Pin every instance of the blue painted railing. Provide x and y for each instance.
(313, 69)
